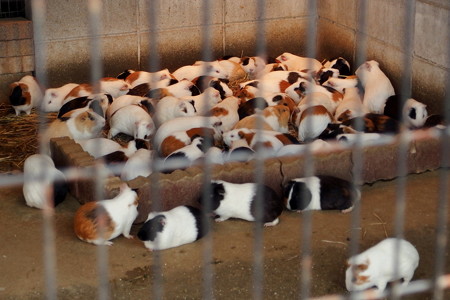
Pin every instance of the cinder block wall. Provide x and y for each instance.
(16, 52)
(337, 31)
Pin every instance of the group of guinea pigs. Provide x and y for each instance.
(193, 113)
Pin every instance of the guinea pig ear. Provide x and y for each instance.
(412, 113)
(241, 134)
(302, 86)
(96, 107)
(283, 58)
(125, 87)
(368, 66)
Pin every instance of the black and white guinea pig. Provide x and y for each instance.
(118, 215)
(25, 94)
(103, 99)
(320, 192)
(178, 226)
(42, 179)
(339, 63)
(234, 200)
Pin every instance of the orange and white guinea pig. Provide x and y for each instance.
(117, 215)
(274, 118)
(25, 94)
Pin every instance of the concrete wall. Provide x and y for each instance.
(337, 27)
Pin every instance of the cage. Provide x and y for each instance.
(304, 256)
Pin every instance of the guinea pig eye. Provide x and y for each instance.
(91, 117)
(217, 71)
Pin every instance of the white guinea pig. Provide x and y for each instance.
(41, 180)
(169, 108)
(233, 200)
(118, 215)
(54, 97)
(132, 120)
(375, 266)
(25, 94)
(138, 164)
(178, 226)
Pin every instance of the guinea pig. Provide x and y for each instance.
(132, 120)
(351, 105)
(233, 70)
(146, 103)
(116, 214)
(274, 118)
(414, 113)
(178, 226)
(374, 123)
(78, 124)
(205, 101)
(184, 124)
(98, 147)
(377, 86)
(179, 139)
(108, 85)
(43, 182)
(313, 122)
(184, 157)
(138, 77)
(169, 108)
(227, 112)
(339, 84)
(233, 200)
(250, 107)
(201, 68)
(138, 164)
(25, 94)
(298, 63)
(340, 64)
(376, 267)
(204, 82)
(103, 99)
(54, 97)
(253, 65)
(320, 192)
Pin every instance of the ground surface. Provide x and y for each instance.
(131, 268)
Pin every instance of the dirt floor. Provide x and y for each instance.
(133, 271)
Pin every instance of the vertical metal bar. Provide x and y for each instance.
(153, 10)
(38, 16)
(441, 244)
(207, 249)
(96, 71)
(357, 153)
(309, 165)
(258, 247)
(402, 168)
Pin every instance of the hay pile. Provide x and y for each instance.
(18, 136)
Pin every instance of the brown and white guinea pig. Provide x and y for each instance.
(298, 63)
(377, 86)
(414, 113)
(389, 260)
(184, 124)
(184, 157)
(334, 96)
(253, 65)
(234, 200)
(147, 103)
(239, 150)
(289, 76)
(321, 192)
(103, 99)
(233, 70)
(340, 64)
(179, 139)
(108, 85)
(199, 69)
(262, 88)
(169, 108)
(54, 97)
(136, 78)
(44, 185)
(132, 120)
(227, 112)
(25, 94)
(204, 82)
(273, 118)
(205, 101)
(272, 140)
(297, 90)
(326, 73)
(339, 84)
(351, 105)
(178, 226)
(78, 124)
(116, 214)
(313, 122)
